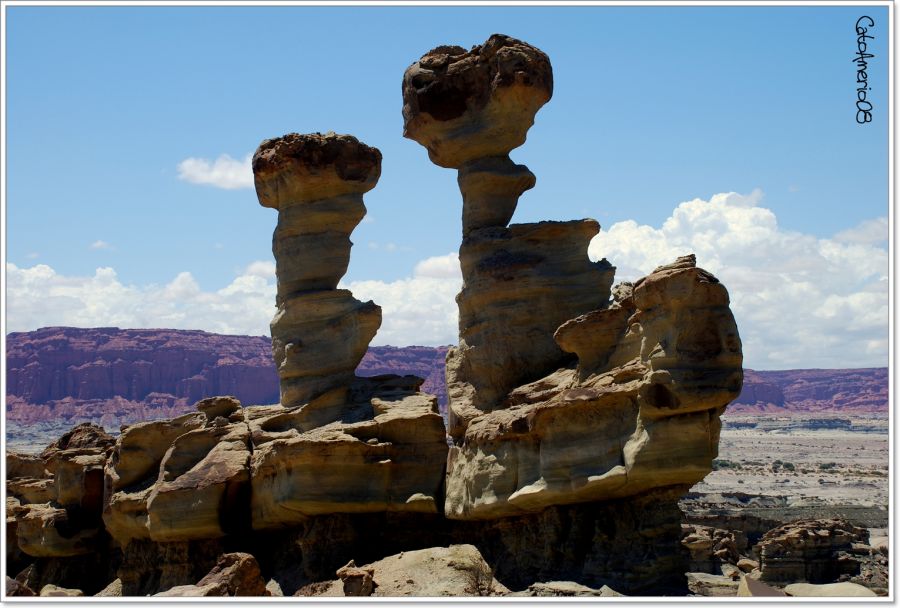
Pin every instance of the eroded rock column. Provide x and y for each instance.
(470, 109)
(320, 333)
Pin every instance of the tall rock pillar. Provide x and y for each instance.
(470, 109)
(320, 333)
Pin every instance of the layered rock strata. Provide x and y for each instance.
(316, 182)
(470, 109)
(557, 395)
(562, 400)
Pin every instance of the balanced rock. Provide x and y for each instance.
(316, 182)
(467, 105)
(470, 109)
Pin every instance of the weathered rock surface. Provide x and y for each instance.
(812, 550)
(750, 587)
(635, 414)
(470, 109)
(711, 547)
(712, 585)
(565, 589)
(468, 105)
(521, 284)
(316, 182)
(54, 591)
(454, 571)
(384, 449)
(828, 590)
(182, 479)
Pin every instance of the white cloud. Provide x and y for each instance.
(39, 297)
(869, 232)
(100, 245)
(224, 172)
(440, 267)
(799, 301)
(417, 310)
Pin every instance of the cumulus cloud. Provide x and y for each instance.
(100, 245)
(869, 232)
(224, 172)
(799, 301)
(417, 310)
(40, 297)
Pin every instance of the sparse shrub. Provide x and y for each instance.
(827, 466)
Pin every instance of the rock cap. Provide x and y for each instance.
(298, 168)
(465, 105)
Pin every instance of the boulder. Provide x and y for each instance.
(712, 585)
(193, 488)
(457, 570)
(565, 589)
(750, 587)
(358, 582)
(54, 591)
(710, 548)
(238, 574)
(844, 589)
(114, 589)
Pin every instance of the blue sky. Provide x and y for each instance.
(652, 107)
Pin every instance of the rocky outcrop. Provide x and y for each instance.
(636, 413)
(557, 395)
(234, 575)
(470, 109)
(382, 450)
(711, 547)
(316, 182)
(812, 550)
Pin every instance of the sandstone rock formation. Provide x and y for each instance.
(336, 443)
(578, 421)
(810, 550)
(559, 396)
(470, 109)
(316, 182)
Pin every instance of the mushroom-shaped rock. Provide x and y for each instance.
(467, 105)
(316, 182)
